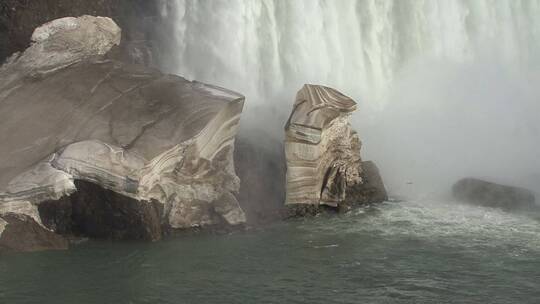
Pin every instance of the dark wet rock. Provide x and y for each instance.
(488, 194)
(69, 114)
(56, 215)
(322, 151)
(100, 213)
(22, 233)
(371, 190)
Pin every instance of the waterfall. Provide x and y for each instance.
(265, 46)
(402, 60)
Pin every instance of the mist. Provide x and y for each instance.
(445, 90)
(445, 121)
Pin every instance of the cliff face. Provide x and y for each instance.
(102, 148)
(19, 18)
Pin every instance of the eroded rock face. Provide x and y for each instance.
(69, 114)
(488, 194)
(322, 150)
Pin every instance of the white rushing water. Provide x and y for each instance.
(444, 87)
(455, 224)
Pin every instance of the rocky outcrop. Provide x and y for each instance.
(137, 18)
(22, 233)
(322, 150)
(488, 194)
(159, 147)
(371, 190)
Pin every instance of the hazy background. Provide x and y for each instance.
(446, 89)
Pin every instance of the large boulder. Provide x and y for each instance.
(479, 192)
(322, 151)
(70, 117)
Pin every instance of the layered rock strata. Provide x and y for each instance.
(322, 150)
(71, 120)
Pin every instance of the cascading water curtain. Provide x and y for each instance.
(422, 71)
(266, 46)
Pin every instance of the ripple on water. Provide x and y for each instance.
(410, 252)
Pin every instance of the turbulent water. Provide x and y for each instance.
(412, 252)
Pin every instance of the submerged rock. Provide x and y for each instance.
(324, 167)
(73, 122)
(488, 194)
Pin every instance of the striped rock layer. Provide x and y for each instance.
(131, 130)
(321, 148)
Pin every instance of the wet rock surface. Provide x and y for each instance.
(21, 233)
(72, 120)
(371, 190)
(479, 192)
(322, 151)
(100, 213)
